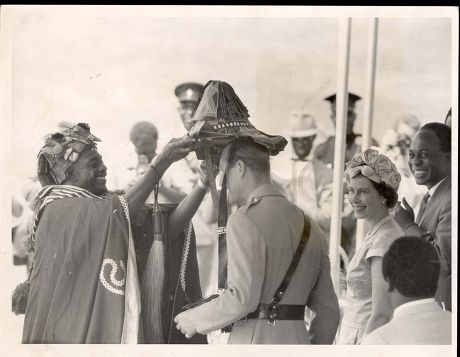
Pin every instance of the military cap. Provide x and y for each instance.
(189, 92)
(352, 99)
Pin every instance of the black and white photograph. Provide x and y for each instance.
(223, 176)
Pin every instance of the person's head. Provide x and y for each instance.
(448, 120)
(430, 154)
(407, 125)
(351, 116)
(373, 182)
(70, 157)
(189, 95)
(303, 134)
(248, 167)
(88, 172)
(411, 268)
(144, 136)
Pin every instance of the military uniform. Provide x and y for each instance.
(261, 239)
(325, 151)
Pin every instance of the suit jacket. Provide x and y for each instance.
(435, 226)
(424, 324)
(261, 239)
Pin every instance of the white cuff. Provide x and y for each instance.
(201, 185)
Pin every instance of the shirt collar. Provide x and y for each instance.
(411, 304)
(432, 189)
(264, 190)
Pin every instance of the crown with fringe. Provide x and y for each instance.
(221, 117)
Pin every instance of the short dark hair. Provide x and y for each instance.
(443, 133)
(143, 127)
(387, 192)
(411, 266)
(252, 154)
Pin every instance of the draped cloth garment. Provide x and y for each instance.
(82, 276)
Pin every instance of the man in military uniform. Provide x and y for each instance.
(262, 236)
(182, 178)
(325, 151)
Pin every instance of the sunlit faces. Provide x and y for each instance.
(89, 172)
(427, 162)
(186, 110)
(365, 199)
(302, 146)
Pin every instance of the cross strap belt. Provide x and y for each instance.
(282, 312)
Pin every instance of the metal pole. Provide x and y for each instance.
(368, 106)
(339, 150)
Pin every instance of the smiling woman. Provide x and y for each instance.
(372, 184)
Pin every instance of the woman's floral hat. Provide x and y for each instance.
(376, 167)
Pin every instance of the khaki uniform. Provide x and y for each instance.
(261, 239)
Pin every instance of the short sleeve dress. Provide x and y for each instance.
(358, 306)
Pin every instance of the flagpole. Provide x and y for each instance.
(339, 150)
(368, 105)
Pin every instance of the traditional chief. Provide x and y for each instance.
(83, 285)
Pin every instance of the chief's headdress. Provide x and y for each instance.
(376, 167)
(62, 149)
(221, 117)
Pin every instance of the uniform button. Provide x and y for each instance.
(170, 297)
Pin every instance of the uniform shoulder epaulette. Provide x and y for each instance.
(253, 202)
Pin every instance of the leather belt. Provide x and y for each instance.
(278, 312)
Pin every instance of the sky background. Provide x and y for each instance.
(111, 69)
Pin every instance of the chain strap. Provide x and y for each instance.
(185, 253)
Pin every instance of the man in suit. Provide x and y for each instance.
(430, 163)
(311, 183)
(262, 236)
(411, 268)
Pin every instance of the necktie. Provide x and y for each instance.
(425, 199)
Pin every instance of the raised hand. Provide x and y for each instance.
(404, 216)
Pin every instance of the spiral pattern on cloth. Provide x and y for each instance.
(114, 283)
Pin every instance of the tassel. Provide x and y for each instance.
(20, 295)
(229, 105)
(152, 294)
(153, 281)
